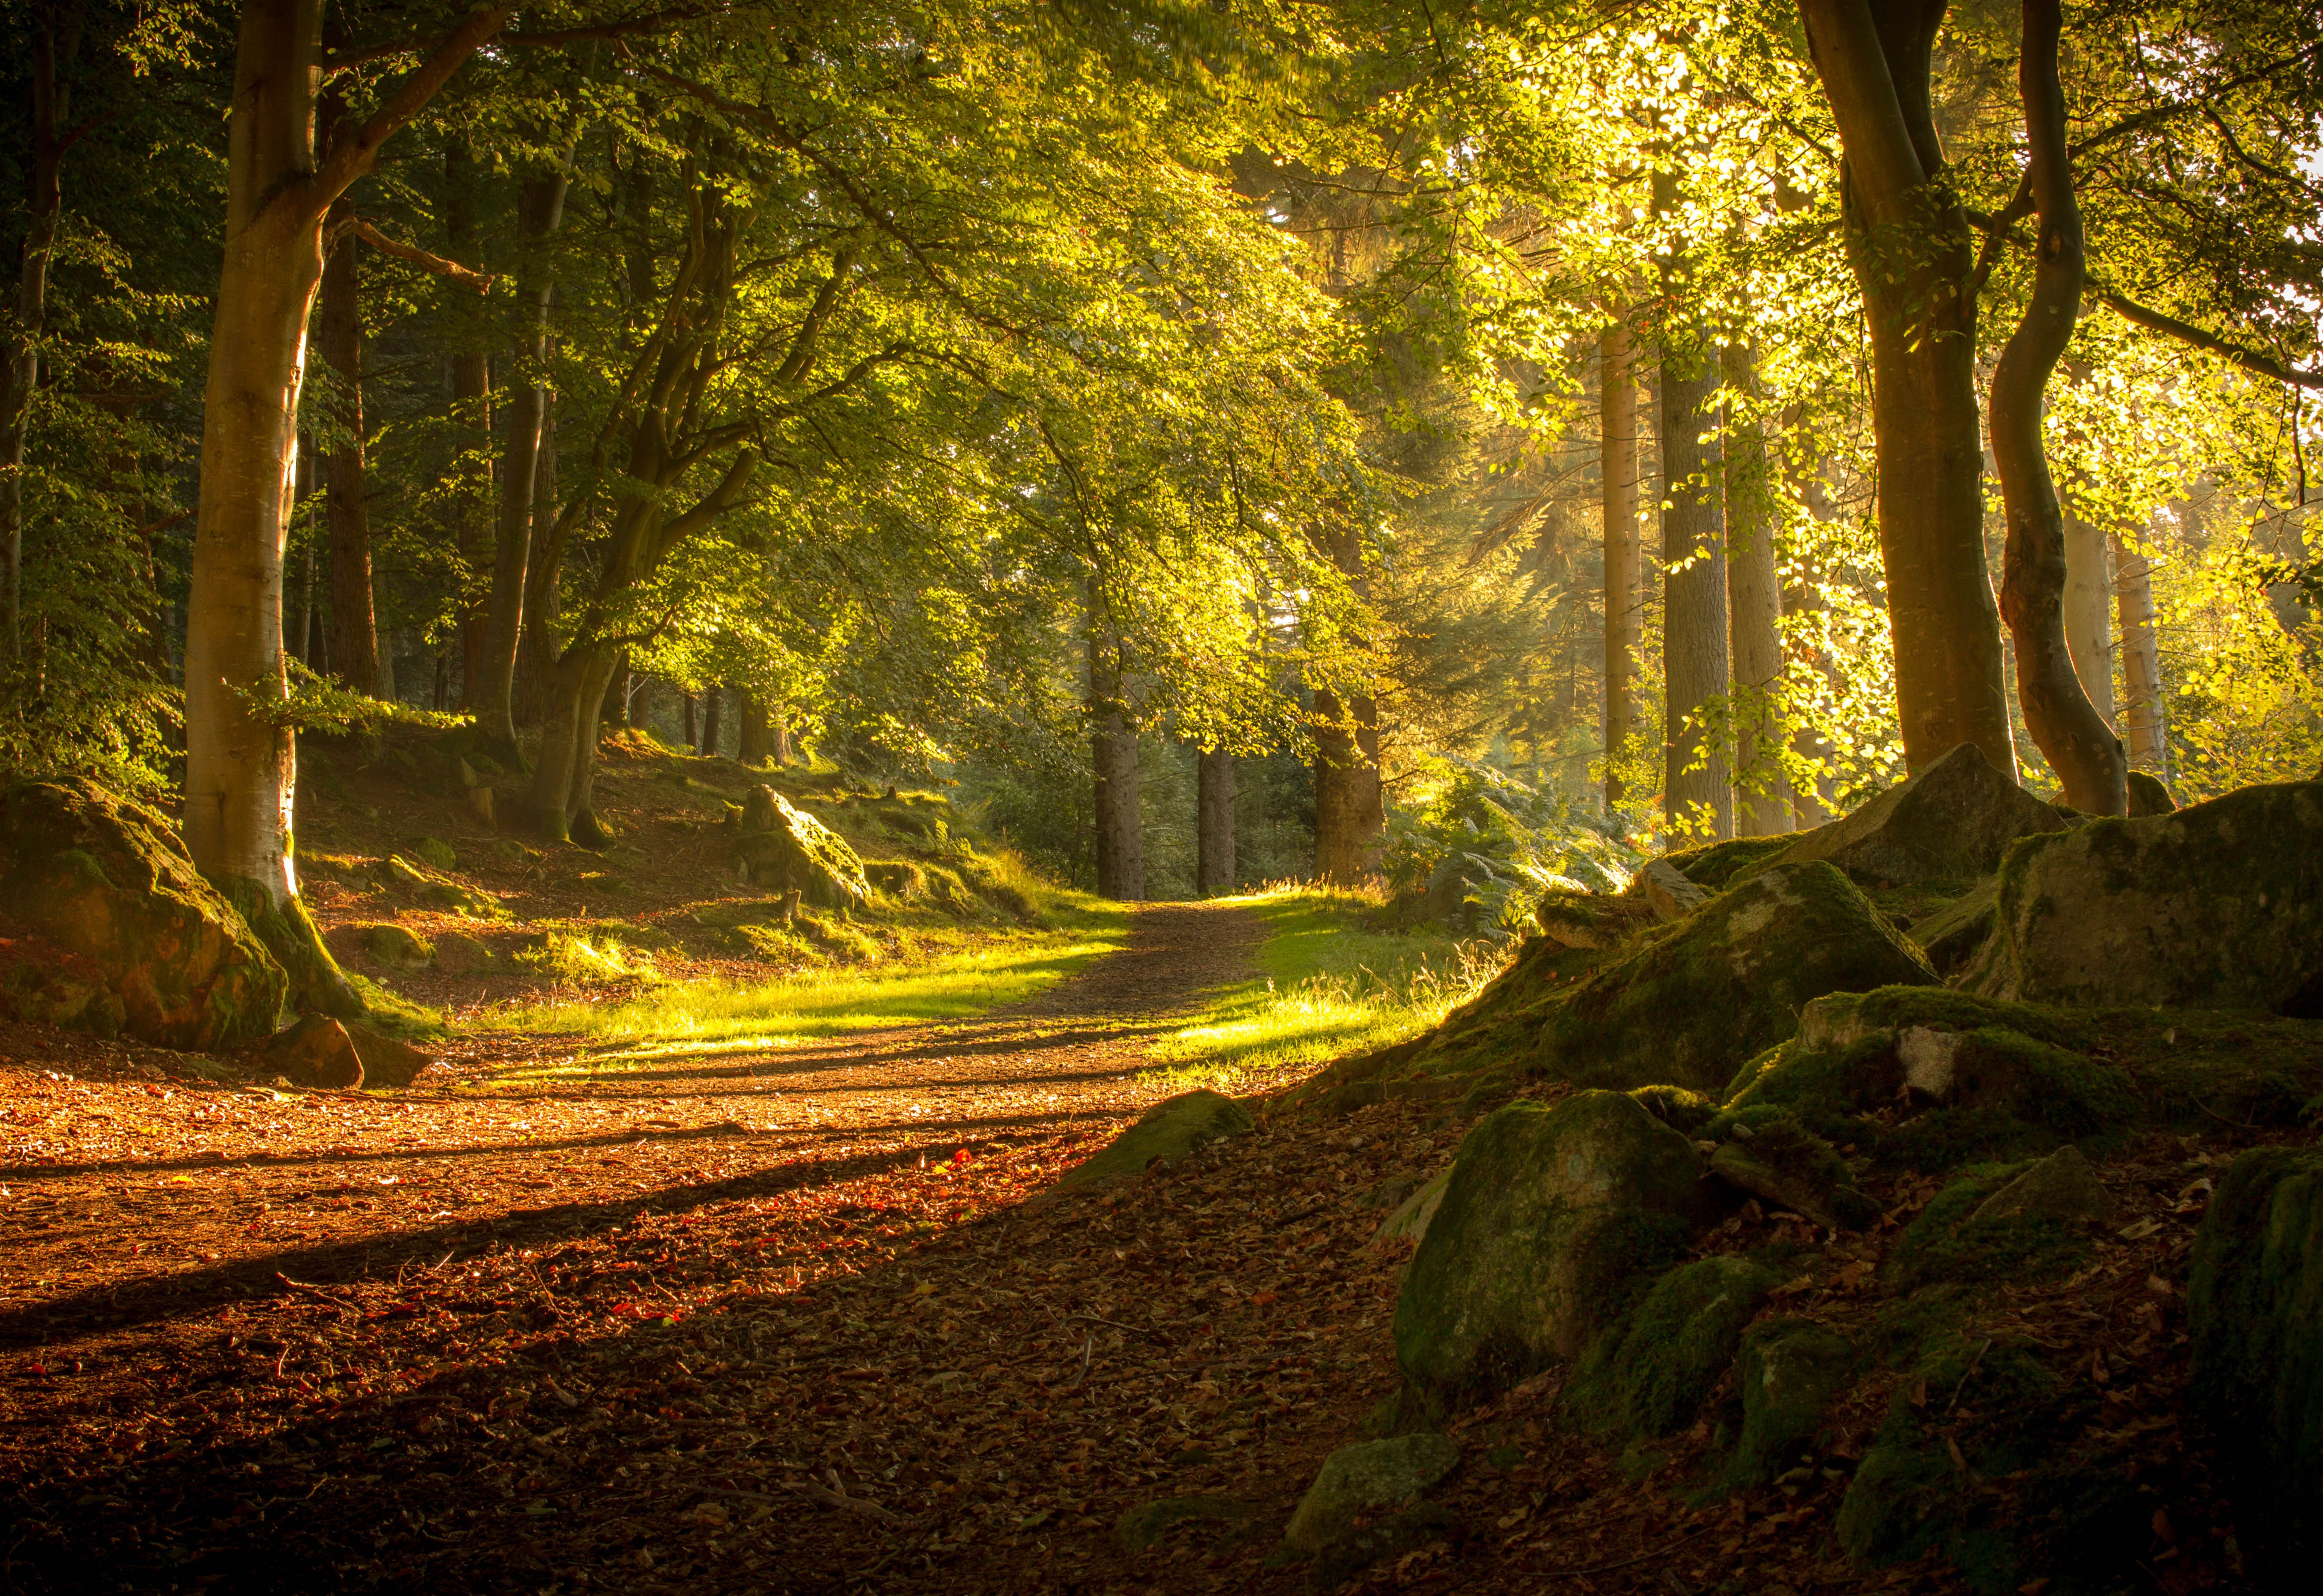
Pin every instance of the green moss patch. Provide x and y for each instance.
(1650, 1374)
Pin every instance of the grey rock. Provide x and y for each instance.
(1668, 889)
(1950, 821)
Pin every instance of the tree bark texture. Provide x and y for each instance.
(2088, 612)
(1214, 822)
(1754, 603)
(240, 766)
(713, 732)
(2079, 746)
(338, 339)
(687, 728)
(472, 419)
(1618, 485)
(1912, 252)
(1113, 762)
(1698, 795)
(55, 41)
(2140, 662)
(1350, 807)
(750, 746)
(540, 208)
(536, 661)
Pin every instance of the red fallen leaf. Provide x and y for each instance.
(961, 1157)
(1261, 1299)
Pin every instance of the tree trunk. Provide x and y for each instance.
(1214, 822)
(1113, 761)
(338, 339)
(691, 733)
(1617, 473)
(540, 207)
(2079, 746)
(563, 775)
(617, 693)
(472, 424)
(1698, 796)
(385, 638)
(751, 742)
(20, 372)
(240, 765)
(2140, 662)
(1912, 252)
(2088, 612)
(1754, 600)
(784, 752)
(636, 706)
(1350, 810)
(711, 730)
(538, 646)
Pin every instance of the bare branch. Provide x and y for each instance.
(480, 282)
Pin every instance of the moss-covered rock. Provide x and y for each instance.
(1381, 1542)
(1779, 1160)
(1677, 1106)
(1592, 919)
(2147, 796)
(1952, 820)
(1410, 1219)
(104, 879)
(1790, 1373)
(1716, 865)
(317, 1051)
(430, 885)
(2062, 1188)
(1690, 1004)
(2254, 1307)
(1957, 1241)
(787, 849)
(460, 954)
(1549, 1217)
(2218, 905)
(1650, 1374)
(1951, 935)
(1163, 1134)
(1666, 890)
(1369, 1474)
(437, 852)
(398, 948)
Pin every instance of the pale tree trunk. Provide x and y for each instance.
(2140, 662)
(1618, 474)
(540, 208)
(55, 41)
(338, 339)
(240, 768)
(1113, 764)
(1754, 600)
(1214, 822)
(2088, 612)
(1350, 807)
(2079, 746)
(1697, 794)
(1912, 252)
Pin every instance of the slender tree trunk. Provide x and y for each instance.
(20, 372)
(1913, 255)
(240, 765)
(785, 753)
(1113, 760)
(751, 745)
(472, 421)
(1350, 809)
(537, 651)
(2140, 662)
(1214, 822)
(1698, 795)
(384, 640)
(636, 706)
(540, 208)
(715, 698)
(2088, 612)
(617, 693)
(2079, 746)
(338, 339)
(692, 732)
(1754, 600)
(1617, 473)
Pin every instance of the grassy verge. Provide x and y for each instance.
(1328, 986)
(705, 1019)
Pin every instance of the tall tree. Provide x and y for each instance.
(2079, 746)
(1214, 822)
(240, 770)
(1754, 600)
(1909, 243)
(1113, 761)
(1617, 472)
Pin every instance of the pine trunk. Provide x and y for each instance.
(338, 339)
(1617, 473)
(1909, 245)
(1698, 796)
(1214, 824)
(2079, 746)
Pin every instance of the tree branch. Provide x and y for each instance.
(355, 157)
(360, 54)
(480, 282)
(2255, 361)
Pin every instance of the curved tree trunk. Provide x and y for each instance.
(2079, 746)
(1617, 472)
(1214, 822)
(1911, 250)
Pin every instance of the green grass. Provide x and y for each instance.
(1326, 986)
(686, 1020)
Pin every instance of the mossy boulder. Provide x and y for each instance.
(2255, 1308)
(2218, 906)
(1163, 1134)
(2062, 1187)
(460, 954)
(2147, 795)
(1666, 890)
(317, 1051)
(1370, 1474)
(398, 948)
(1788, 1166)
(1790, 1373)
(1690, 1004)
(1717, 865)
(1551, 1216)
(1960, 1239)
(1650, 1374)
(437, 852)
(1950, 935)
(1575, 919)
(107, 881)
(785, 848)
(431, 886)
(1952, 820)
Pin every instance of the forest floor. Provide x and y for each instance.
(796, 1320)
